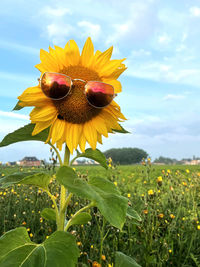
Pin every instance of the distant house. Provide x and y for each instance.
(12, 163)
(195, 162)
(191, 162)
(30, 161)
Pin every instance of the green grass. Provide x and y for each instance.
(167, 236)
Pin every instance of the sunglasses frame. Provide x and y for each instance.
(40, 80)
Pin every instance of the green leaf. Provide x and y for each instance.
(18, 250)
(102, 192)
(133, 214)
(17, 106)
(122, 260)
(24, 134)
(96, 155)
(49, 214)
(39, 179)
(120, 131)
(80, 218)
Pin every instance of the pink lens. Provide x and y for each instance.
(99, 94)
(55, 85)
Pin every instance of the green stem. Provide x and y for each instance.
(57, 153)
(92, 204)
(67, 156)
(101, 241)
(55, 204)
(67, 201)
(63, 191)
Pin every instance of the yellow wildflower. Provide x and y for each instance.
(150, 192)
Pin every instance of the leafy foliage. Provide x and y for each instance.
(80, 218)
(120, 131)
(102, 192)
(49, 214)
(17, 106)
(18, 250)
(133, 214)
(96, 155)
(122, 260)
(24, 134)
(39, 179)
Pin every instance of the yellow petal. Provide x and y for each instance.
(115, 112)
(48, 61)
(87, 55)
(60, 56)
(99, 138)
(97, 54)
(68, 136)
(115, 74)
(57, 130)
(59, 144)
(40, 126)
(43, 113)
(99, 124)
(77, 131)
(111, 121)
(41, 67)
(110, 67)
(116, 84)
(82, 143)
(103, 58)
(72, 53)
(90, 134)
(33, 96)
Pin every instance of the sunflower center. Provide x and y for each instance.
(75, 108)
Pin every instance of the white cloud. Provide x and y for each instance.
(164, 39)
(181, 48)
(179, 67)
(195, 11)
(13, 115)
(153, 70)
(90, 29)
(10, 123)
(58, 32)
(116, 51)
(173, 97)
(56, 12)
(139, 24)
(166, 136)
(140, 53)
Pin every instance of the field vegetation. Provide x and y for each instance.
(167, 198)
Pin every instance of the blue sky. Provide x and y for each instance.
(161, 87)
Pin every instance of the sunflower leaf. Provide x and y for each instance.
(120, 131)
(133, 214)
(38, 179)
(24, 134)
(17, 250)
(80, 218)
(17, 106)
(96, 155)
(49, 214)
(103, 193)
(122, 260)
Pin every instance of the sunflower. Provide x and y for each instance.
(72, 120)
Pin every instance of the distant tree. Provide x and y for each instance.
(126, 155)
(165, 160)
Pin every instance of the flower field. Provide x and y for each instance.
(167, 198)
